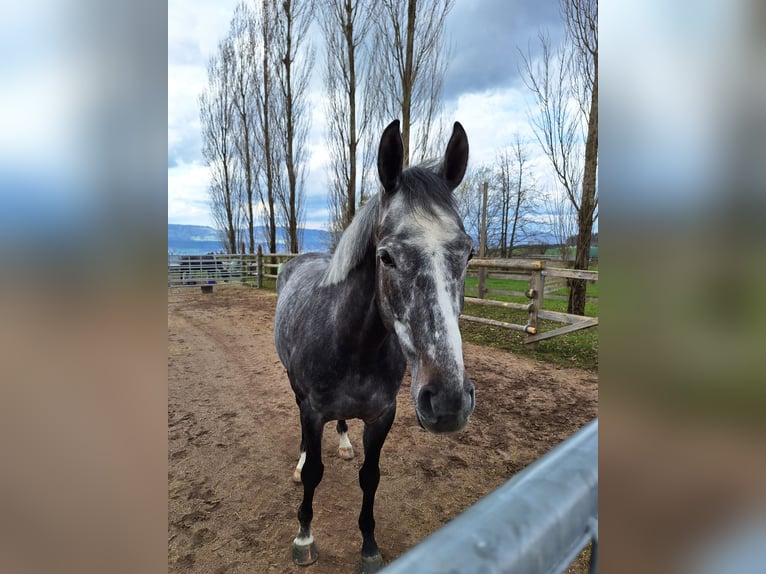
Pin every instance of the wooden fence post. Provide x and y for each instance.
(482, 287)
(535, 294)
(259, 267)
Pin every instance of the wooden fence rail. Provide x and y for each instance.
(537, 272)
(207, 270)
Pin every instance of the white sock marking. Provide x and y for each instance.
(301, 461)
(301, 541)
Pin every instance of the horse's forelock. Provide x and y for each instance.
(424, 191)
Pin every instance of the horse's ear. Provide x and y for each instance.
(456, 157)
(390, 157)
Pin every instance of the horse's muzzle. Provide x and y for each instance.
(442, 409)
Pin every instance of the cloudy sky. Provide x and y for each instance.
(482, 90)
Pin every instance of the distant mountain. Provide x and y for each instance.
(200, 239)
(191, 233)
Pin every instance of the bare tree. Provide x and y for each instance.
(245, 75)
(266, 119)
(412, 61)
(561, 221)
(581, 18)
(565, 86)
(293, 73)
(217, 117)
(468, 200)
(346, 25)
(516, 195)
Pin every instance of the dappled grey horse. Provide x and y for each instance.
(346, 325)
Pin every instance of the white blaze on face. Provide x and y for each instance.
(449, 313)
(436, 234)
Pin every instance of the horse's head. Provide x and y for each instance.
(422, 254)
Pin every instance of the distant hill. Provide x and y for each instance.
(200, 239)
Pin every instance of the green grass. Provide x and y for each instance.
(495, 283)
(578, 349)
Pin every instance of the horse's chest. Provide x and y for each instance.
(355, 398)
(359, 390)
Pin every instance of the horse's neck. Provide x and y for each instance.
(359, 301)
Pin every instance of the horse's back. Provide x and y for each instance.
(307, 265)
(297, 283)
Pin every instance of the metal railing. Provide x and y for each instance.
(536, 523)
(216, 269)
(190, 270)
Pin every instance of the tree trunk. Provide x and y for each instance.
(576, 303)
(249, 184)
(292, 218)
(267, 148)
(230, 231)
(349, 33)
(408, 79)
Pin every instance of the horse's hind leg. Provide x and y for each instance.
(301, 462)
(345, 450)
(302, 458)
(369, 476)
(304, 549)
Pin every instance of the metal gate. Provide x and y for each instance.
(211, 269)
(536, 523)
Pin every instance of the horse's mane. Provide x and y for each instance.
(423, 191)
(354, 243)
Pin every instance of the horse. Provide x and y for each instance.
(347, 324)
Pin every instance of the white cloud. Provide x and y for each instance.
(185, 83)
(490, 117)
(194, 29)
(187, 194)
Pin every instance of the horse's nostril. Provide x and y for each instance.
(425, 402)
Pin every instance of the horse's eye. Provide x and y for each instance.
(386, 259)
(470, 255)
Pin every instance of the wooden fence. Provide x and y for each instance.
(536, 272)
(208, 270)
(271, 262)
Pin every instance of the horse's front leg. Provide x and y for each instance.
(304, 548)
(369, 476)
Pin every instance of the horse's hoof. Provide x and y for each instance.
(305, 555)
(297, 476)
(370, 564)
(346, 453)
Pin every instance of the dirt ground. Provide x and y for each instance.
(234, 434)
